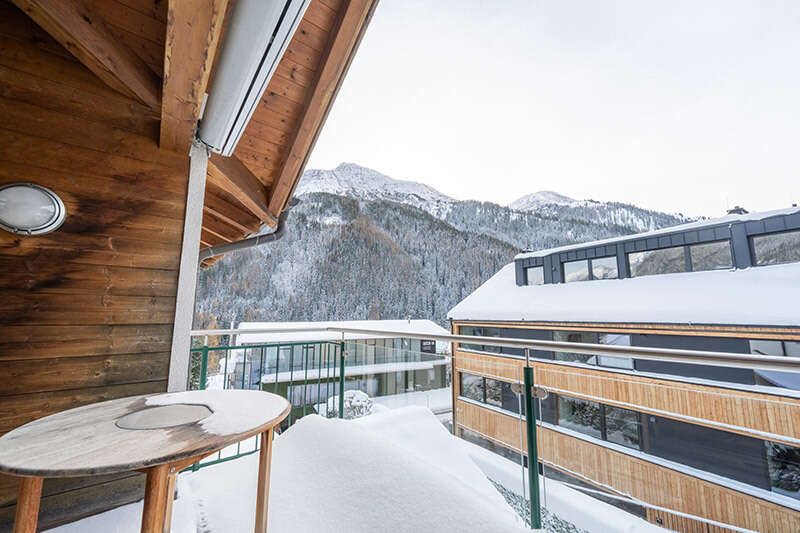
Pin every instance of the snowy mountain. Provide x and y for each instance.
(362, 245)
(363, 183)
(532, 202)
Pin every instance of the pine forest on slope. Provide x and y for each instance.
(361, 245)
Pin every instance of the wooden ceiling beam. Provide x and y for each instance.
(232, 176)
(193, 32)
(346, 37)
(86, 36)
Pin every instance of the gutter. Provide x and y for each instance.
(258, 240)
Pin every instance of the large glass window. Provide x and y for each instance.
(472, 387)
(615, 339)
(494, 392)
(764, 347)
(534, 275)
(605, 268)
(577, 337)
(510, 399)
(514, 333)
(779, 348)
(576, 271)
(622, 426)
(711, 256)
(664, 261)
(791, 348)
(590, 337)
(777, 248)
(580, 415)
(490, 391)
(783, 463)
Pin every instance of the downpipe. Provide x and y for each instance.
(258, 240)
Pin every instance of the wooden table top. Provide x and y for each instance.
(105, 438)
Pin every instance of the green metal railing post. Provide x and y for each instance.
(341, 380)
(533, 453)
(204, 366)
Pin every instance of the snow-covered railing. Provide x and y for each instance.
(756, 362)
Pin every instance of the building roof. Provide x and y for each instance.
(406, 326)
(728, 219)
(765, 295)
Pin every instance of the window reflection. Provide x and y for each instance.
(664, 261)
(580, 415)
(783, 463)
(576, 271)
(777, 248)
(711, 256)
(534, 275)
(472, 387)
(605, 268)
(622, 426)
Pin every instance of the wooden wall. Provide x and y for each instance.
(87, 311)
(639, 478)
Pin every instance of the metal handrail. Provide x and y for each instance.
(759, 362)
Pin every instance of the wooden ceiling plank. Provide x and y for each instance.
(321, 15)
(346, 38)
(230, 214)
(233, 176)
(128, 19)
(85, 35)
(193, 31)
(220, 229)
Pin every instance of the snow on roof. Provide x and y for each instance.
(728, 219)
(405, 326)
(766, 295)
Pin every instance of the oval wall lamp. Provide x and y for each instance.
(30, 209)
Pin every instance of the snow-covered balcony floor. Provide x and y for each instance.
(397, 471)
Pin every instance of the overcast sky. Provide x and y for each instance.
(682, 106)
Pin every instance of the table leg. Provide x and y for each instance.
(30, 495)
(158, 493)
(262, 495)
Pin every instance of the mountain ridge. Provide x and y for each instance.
(362, 245)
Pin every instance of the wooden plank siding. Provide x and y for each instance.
(636, 477)
(87, 311)
(748, 413)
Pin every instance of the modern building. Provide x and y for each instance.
(303, 366)
(708, 434)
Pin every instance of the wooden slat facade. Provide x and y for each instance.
(744, 412)
(635, 477)
(747, 413)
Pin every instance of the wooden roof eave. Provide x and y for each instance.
(262, 173)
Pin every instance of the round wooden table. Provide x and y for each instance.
(159, 435)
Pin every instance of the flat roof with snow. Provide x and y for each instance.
(766, 295)
(264, 337)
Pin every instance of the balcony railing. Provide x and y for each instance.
(328, 366)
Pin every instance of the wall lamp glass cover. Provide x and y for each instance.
(29, 209)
